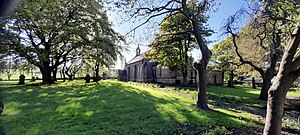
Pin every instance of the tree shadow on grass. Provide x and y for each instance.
(2, 130)
(106, 108)
(238, 95)
(239, 91)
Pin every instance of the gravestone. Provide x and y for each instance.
(177, 82)
(33, 79)
(104, 75)
(191, 81)
(1, 107)
(87, 78)
(22, 79)
(96, 78)
(253, 83)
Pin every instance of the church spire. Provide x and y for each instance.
(138, 50)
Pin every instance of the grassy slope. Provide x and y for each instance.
(108, 108)
(244, 91)
(240, 94)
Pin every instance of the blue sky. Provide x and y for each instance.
(144, 34)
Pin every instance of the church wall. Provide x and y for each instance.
(143, 73)
(146, 71)
(122, 75)
(131, 71)
(165, 75)
(215, 78)
(149, 71)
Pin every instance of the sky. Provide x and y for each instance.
(144, 35)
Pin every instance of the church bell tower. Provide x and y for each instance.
(138, 50)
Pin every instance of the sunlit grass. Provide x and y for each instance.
(239, 95)
(294, 93)
(243, 95)
(109, 107)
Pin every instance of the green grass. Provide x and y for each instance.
(294, 93)
(239, 95)
(110, 107)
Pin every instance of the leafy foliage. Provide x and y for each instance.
(172, 45)
(49, 33)
(223, 55)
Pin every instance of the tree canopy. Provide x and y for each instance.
(45, 33)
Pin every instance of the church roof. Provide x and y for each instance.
(137, 58)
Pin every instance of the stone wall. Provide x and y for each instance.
(215, 78)
(167, 76)
(146, 71)
(140, 71)
(134, 71)
(122, 75)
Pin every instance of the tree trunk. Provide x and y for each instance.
(253, 83)
(46, 75)
(274, 111)
(184, 77)
(205, 56)
(97, 76)
(54, 74)
(201, 76)
(63, 72)
(31, 70)
(45, 68)
(288, 72)
(201, 68)
(265, 87)
(267, 77)
(275, 106)
(186, 60)
(70, 77)
(230, 81)
(60, 73)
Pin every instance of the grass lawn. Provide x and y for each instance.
(238, 95)
(111, 107)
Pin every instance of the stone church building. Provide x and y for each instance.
(142, 69)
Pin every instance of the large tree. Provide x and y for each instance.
(196, 16)
(46, 32)
(104, 53)
(10, 68)
(264, 37)
(73, 67)
(172, 44)
(172, 52)
(288, 72)
(284, 16)
(223, 59)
